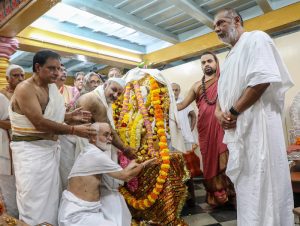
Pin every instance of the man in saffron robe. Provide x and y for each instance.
(214, 153)
(251, 93)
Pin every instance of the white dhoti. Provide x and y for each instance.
(93, 161)
(114, 205)
(5, 161)
(36, 165)
(37, 180)
(71, 146)
(77, 212)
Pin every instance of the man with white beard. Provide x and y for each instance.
(251, 93)
(81, 203)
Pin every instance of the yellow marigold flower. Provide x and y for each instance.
(165, 157)
(160, 180)
(155, 191)
(156, 102)
(165, 166)
(163, 173)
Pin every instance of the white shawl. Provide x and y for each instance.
(5, 166)
(257, 163)
(99, 91)
(55, 111)
(93, 161)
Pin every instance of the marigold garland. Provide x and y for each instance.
(155, 100)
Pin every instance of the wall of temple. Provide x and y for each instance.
(289, 48)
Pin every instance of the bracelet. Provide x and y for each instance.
(72, 130)
(233, 111)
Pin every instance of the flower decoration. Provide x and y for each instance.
(140, 123)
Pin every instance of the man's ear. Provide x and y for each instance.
(7, 78)
(37, 67)
(237, 20)
(93, 139)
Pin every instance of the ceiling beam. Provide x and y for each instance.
(111, 13)
(87, 33)
(26, 16)
(192, 9)
(264, 5)
(273, 21)
(33, 40)
(78, 65)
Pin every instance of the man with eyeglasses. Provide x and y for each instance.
(251, 91)
(14, 75)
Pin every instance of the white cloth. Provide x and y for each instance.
(177, 140)
(37, 180)
(257, 163)
(36, 166)
(55, 111)
(120, 81)
(112, 184)
(92, 161)
(71, 146)
(184, 121)
(5, 162)
(76, 212)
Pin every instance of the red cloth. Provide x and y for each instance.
(210, 133)
(192, 162)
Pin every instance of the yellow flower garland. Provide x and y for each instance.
(150, 199)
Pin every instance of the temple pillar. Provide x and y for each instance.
(8, 47)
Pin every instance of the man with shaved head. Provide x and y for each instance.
(83, 203)
(251, 92)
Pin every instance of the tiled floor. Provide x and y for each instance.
(202, 214)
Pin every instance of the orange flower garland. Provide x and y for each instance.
(297, 141)
(151, 198)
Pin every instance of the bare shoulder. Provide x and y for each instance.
(86, 100)
(25, 88)
(197, 86)
(90, 102)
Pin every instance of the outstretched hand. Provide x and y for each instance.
(78, 115)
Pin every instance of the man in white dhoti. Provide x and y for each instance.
(99, 104)
(251, 92)
(81, 203)
(36, 113)
(187, 119)
(14, 75)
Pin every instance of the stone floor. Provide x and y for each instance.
(202, 214)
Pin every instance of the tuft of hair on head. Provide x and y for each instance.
(13, 67)
(232, 13)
